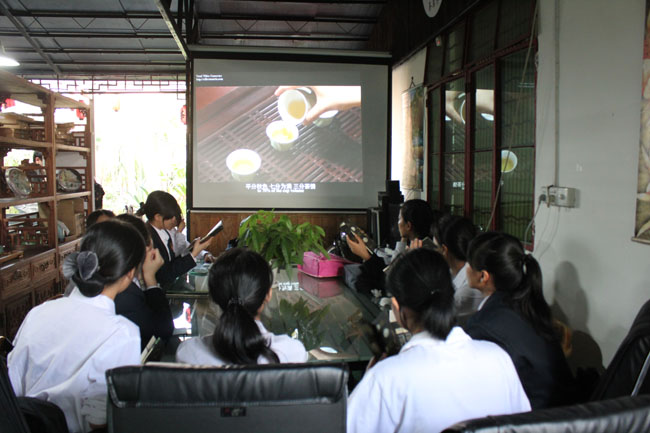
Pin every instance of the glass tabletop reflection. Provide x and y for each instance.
(329, 318)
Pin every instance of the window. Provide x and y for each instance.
(481, 118)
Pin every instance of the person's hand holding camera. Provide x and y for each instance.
(357, 246)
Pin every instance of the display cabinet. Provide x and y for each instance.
(34, 197)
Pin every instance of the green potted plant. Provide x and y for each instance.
(279, 240)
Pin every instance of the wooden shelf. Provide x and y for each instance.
(13, 201)
(61, 101)
(68, 148)
(69, 240)
(21, 143)
(33, 94)
(68, 195)
(36, 276)
(28, 253)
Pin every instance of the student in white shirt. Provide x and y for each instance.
(182, 246)
(64, 347)
(452, 237)
(240, 283)
(441, 376)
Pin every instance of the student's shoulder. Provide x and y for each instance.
(125, 326)
(290, 349)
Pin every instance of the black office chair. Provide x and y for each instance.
(25, 414)
(621, 415)
(627, 374)
(289, 398)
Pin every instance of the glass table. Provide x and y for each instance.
(330, 319)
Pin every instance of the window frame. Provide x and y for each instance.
(467, 72)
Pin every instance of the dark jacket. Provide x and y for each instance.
(149, 309)
(540, 363)
(174, 267)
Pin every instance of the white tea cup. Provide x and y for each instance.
(243, 164)
(282, 134)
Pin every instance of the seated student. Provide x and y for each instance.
(441, 376)
(515, 315)
(240, 283)
(64, 347)
(452, 236)
(99, 216)
(414, 222)
(162, 212)
(143, 302)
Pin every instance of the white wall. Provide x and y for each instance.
(401, 80)
(593, 272)
(595, 277)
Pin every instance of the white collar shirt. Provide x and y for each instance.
(62, 351)
(467, 299)
(165, 236)
(199, 351)
(432, 384)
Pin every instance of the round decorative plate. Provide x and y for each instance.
(68, 180)
(18, 182)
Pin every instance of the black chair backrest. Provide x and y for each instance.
(5, 346)
(262, 398)
(627, 373)
(26, 414)
(621, 415)
(11, 418)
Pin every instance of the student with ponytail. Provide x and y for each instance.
(163, 214)
(515, 315)
(64, 347)
(240, 283)
(441, 376)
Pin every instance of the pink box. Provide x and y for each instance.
(320, 287)
(318, 266)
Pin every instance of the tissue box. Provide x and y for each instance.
(318, 266)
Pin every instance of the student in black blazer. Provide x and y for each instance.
(143, 302)
(163, 214)
(515, 315)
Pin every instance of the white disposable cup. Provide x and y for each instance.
(282, 134)
(243, 164)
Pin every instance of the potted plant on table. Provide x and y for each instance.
(279, 240)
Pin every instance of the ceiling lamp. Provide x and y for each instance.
(4, 60)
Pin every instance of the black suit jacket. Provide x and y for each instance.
(540, 363)
(174, 267)
(148, 309)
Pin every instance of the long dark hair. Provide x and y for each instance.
(239, 282)
(138, 224)
(119, 248)
(420, 280)
(515, 273)
(419, 214)
(456, 233)
(160, 202)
